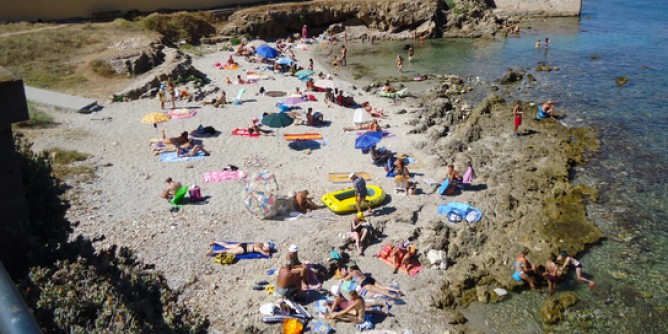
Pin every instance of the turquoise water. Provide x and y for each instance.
(631, 38)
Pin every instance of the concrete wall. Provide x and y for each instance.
(13, 208)
(538, 7)
(31, 10)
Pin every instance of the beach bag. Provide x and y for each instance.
(225, 259)
(292, 326)
(195, 194)
(385, 251)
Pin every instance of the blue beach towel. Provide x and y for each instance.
(246, 256)
(172, 157)
(465, 211)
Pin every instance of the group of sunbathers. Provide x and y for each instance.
(184, 145)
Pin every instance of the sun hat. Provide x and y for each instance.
(352, 175)
(360, 216)
(335, 290)
(293, 249)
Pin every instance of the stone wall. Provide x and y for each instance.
(31, 10)
(537, 7)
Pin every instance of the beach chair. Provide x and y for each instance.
(237, 100)
(400, 185)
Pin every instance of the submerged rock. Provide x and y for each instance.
(621, 81)
(551, 312)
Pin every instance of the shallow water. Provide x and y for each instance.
(631, 38)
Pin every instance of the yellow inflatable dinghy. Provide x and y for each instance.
(342, 201)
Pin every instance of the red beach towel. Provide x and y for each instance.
(244, 133)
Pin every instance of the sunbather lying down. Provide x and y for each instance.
(240, 248)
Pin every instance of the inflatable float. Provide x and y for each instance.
(396, 94)
(342, 201)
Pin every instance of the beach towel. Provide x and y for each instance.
(343, 177)
(464, 211)
(413, 162)
(468, 175)
(302, 136)
(319, 327)
(244, 133)
(414, 265)
(172, 157)
(222, 175)
(247, 256)
(444, 187)
(386, 134)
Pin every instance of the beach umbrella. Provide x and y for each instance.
(279, 120)
(182, 113)
(259, 195)
(304, 73)
(284, 61)
(326, 84)
(155, 118)
(266, 51)
(368, 139)
(292, 101)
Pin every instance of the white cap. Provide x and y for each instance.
(335, 290)
(352, 175)
(293, 249)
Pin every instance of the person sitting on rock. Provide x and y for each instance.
(522, 268)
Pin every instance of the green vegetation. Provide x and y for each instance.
(235, 40)
(180, 26)
(451, 3)
(39, 57)
(64, 157)
(38, 119)
(71, 287)
(193, 50)
(102, 68)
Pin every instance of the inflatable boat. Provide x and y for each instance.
(342, 201)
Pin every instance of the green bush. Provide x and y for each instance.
(235, 40)
(66, 157)
(179, 26)
(38, 119)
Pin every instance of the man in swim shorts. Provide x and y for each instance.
(288, 284)
(172, 188)
(360, 192)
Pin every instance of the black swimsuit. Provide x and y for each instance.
(368, 280)
(244, 246)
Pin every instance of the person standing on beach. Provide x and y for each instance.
(344, 56)
(310, 64)
(171, 90)
(304, 32)
(400, 63)
(360, 192)
(563, 257)
(517, 111)
(411, 53)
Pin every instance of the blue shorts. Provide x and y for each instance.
(516, 276)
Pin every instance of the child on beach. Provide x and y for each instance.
(400, 63)
(310, 64)
(552, 272)
(567, 260)
(517, 111)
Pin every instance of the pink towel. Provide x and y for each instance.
(221, 175)
(468, 175)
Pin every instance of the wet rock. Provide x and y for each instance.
(595, 56)
(483, 294)
(551, 312)
(512, 76)
(567, 299)
(544, 67)
(621, 81)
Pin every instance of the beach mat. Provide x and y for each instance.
(414, 263)
(302, 136)
(274, 93)
(172, 157)
(343, 177)
(247, 256)
(244, 133)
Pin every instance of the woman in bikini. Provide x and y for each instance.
(551, 273)
(374, 112)
(369, 283)
(567, 260)
(522, 267)
(241, 248)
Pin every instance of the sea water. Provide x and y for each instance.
(612, 38)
